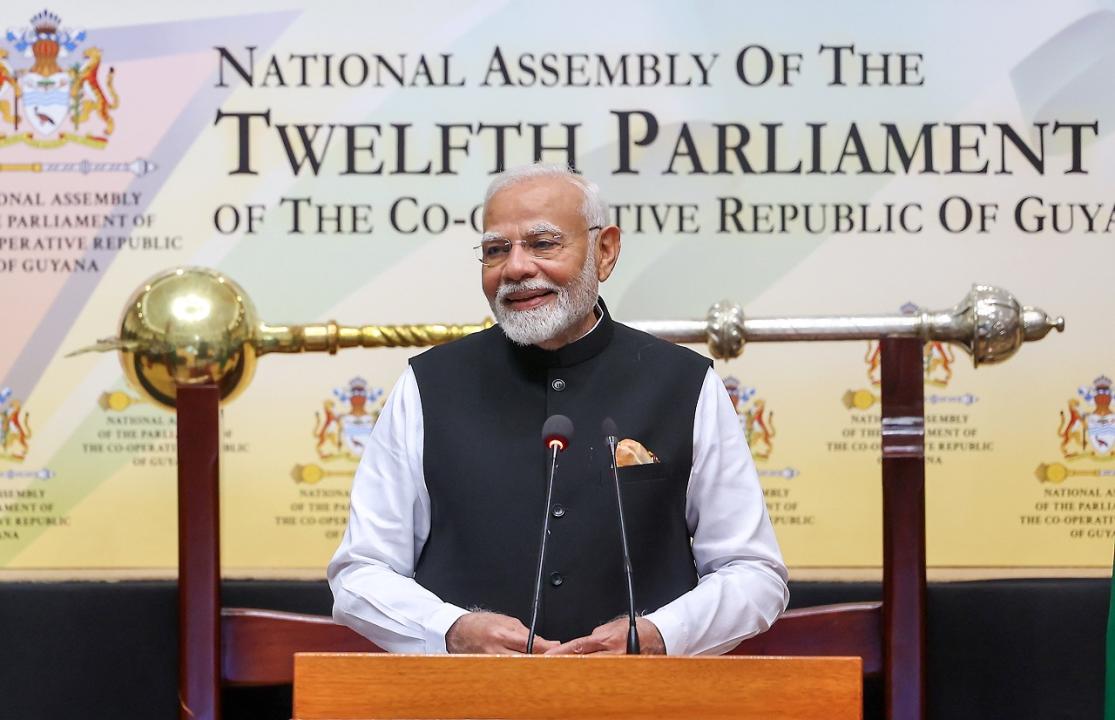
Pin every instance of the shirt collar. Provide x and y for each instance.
(584, 348)
(599, 316)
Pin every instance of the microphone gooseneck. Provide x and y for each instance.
(557, 432)
(608, 427)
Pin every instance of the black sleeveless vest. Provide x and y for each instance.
(484, 400)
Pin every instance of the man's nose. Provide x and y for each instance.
(520, 264)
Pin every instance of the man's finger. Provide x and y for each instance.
(515, 638)
(512, 641)
(542, 645)
(578, 646)
(563, 648)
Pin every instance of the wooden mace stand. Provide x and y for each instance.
(226, 645)
(255, 647)
(360, 686)
(889, 636)
(199, 552)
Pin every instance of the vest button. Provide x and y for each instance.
(558, 385)
(558, 510)
(556, 579)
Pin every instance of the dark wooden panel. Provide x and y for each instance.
(258, 646)
(848, 629)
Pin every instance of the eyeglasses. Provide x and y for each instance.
(542, 246)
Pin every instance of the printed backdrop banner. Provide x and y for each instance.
(814, 158)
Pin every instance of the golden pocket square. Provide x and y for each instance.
(631, 452)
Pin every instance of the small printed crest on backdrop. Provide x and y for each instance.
(15, 428)
(1088, 424)
(341, 429)
(1086, 432)
(937, 362)
(37, 101)
(757, 423)
(754, 417)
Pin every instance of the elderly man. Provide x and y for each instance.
(442, 542)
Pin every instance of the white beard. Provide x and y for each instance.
(546, 322)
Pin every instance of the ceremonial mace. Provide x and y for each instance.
(194, 326)
(190, 339)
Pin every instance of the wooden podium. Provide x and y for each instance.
(360, 686)
(230, 646)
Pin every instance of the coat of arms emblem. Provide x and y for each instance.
(341, 430)
(344, 432)
(15, 429)
(757, 422)
(754, 417)
(937, 364)
(37, 101)
(937, 360)
(1086, 432)
(1089, 430)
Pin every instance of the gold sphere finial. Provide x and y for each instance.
(188, 326)
(193, 326)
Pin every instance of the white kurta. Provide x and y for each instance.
(742, 580)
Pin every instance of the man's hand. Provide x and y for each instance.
(492, 634)
(611, 639)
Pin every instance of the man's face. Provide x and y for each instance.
(532, 297)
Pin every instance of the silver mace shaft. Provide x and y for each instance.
(988, 323)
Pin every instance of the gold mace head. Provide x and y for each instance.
(195, 326)
(188, 326)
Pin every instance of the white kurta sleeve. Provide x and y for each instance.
(372, 572)
(742, 588)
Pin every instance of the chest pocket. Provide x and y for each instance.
(640, 473)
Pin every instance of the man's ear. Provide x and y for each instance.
(607, 251)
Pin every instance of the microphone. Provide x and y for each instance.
(608, 427)
(557, 431)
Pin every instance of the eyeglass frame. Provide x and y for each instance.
(558, 237)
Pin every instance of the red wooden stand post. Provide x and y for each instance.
(199, 558)
(903, 445)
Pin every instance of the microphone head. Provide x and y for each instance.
(557, 432)
(608, 427)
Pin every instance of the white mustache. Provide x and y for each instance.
(525, 286)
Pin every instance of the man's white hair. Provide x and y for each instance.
(594, 209)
